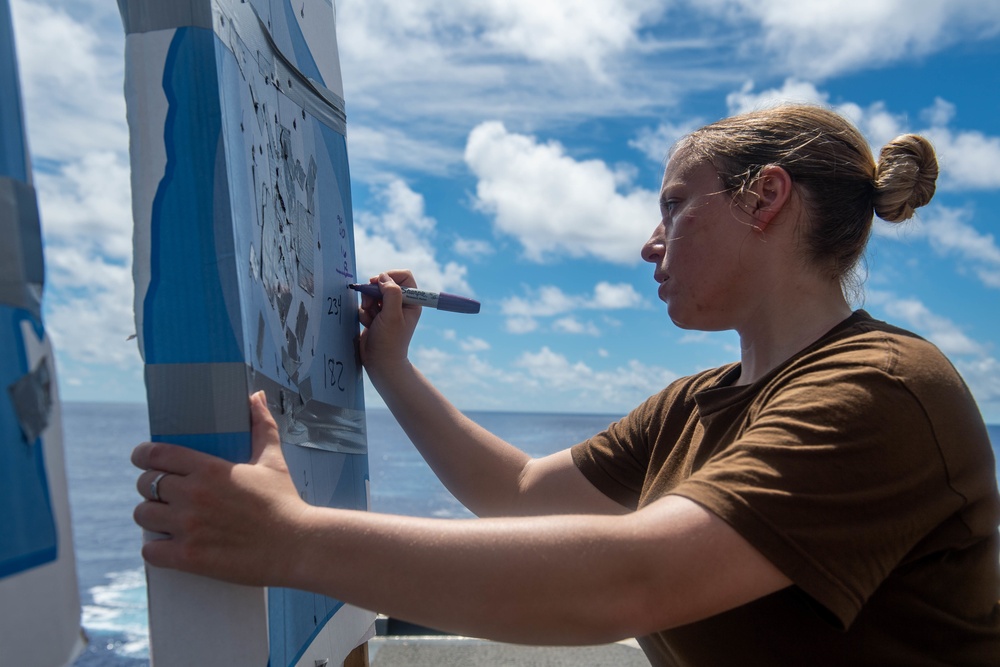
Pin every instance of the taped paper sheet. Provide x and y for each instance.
(244, 247)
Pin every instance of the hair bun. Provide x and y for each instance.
(904, 177)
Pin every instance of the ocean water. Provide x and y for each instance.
(99, 438)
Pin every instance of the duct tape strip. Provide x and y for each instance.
(214, 398)
(31, 397)
(22, 268)
(236, 20)
(146, 16)
(197, 398)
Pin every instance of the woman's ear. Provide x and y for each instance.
(772, 190)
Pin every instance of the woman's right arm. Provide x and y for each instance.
(487, 474)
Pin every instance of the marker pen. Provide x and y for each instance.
(419, 297)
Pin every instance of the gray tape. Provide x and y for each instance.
(213, 398)
(31, 396)
(146, 16)
(197, 398)
(324, 104)
(239, 20)
(22, 267)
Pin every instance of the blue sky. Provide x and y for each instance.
(512, 150)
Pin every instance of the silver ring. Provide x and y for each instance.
(154, 487)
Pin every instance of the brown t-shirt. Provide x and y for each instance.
(862, 469)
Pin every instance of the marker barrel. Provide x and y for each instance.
(418, 297)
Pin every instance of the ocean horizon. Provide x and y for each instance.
(99, 438)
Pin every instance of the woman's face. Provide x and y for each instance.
(701, 249)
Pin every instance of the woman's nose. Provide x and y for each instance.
(654, 247)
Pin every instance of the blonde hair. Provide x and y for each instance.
(832, 167)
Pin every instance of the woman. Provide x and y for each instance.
(829, 499)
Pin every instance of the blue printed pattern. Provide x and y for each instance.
(251, 243)
(28, 538)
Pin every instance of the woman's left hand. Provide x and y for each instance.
(220, 519)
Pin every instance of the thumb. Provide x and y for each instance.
(264, 438)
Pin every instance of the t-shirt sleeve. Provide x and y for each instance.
(615, 461)
(834, 480)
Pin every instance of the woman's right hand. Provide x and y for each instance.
(388, 323)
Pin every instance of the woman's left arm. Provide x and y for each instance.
(577, 579)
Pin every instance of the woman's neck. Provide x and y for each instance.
(781, 328)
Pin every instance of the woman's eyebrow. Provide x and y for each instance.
(668, 192)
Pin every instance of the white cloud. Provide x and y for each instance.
(555, 205)
(544, 379)
(71, 78)
(401, 237)
(621, 388)
(939, 330)
(474, 249)
(969, 160)
(975, 361)
(557, 32)
(656, 144)
(473, 344)
(612, 297)
(520, 325)
(87, 201)
(417, 76)
(571, 325)
(566, 31)
(378, 152)
(820, 39)
(983, 377)
(792, 90)
(94, 328)
(940, 113)
(545, 300)
(549, 301)
(950, 234)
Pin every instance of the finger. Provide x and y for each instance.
(140, 456)
(365, 317)
(403, 277)
(144, 484)
(370, 306)
(160, 553)
(264, 437)
(392, 295)
(168, 458)
(154, 517)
